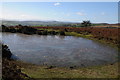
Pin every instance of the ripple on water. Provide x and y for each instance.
(59, 50)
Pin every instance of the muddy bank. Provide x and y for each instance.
(10, 69)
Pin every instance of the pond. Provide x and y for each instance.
(60, 51)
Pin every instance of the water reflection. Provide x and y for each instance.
(59, 50)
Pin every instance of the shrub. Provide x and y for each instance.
(52, 32)
(28, 30)
(44, 32)
(13, 30)
(39, 32)
(85, 24)
(62, 33)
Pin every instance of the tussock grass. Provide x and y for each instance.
(36, 71)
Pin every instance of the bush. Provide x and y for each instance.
(28, 30)
(85, 24)
(13, 30)
(44, 32)
(39, 32)
(62, 33)
(52, 32)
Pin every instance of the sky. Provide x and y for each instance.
(96, 12)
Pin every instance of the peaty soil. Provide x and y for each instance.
(9, 69)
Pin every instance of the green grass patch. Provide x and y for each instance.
(89, 36)
(103, 71)
(77, 34)
(48, 29)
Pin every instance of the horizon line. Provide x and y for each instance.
(60, 21)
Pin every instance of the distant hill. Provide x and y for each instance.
(52, 23)
(33, 23)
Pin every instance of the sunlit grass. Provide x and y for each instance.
(77, 34)
(103, 71)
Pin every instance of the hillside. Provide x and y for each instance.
(34, 23)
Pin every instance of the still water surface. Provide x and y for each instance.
(59, 50)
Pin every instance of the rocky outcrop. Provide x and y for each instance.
(9, 69)
(6, 53)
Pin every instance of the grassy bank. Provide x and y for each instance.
(91, 37)
(36, 71)
(77, 34)
(108, 39)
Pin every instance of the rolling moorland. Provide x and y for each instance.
(104, 33)
(53, 23)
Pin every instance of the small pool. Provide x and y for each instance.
(60, 51)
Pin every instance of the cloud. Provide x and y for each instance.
(56, 4)
(68, 14)
(103, 13)
(24, 15)
(20, 17)
(80, 13)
